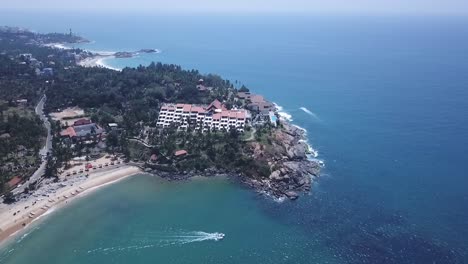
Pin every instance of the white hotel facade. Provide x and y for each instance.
(212, 117)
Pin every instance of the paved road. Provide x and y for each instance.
(43, 152)
(141, 142)
(40, 112)
(252, 135)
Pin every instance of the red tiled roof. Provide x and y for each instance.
(197, 109)
(225, 114)
(187, 107)
(241, 115)
(69, 131)
(256, 98)
(180, 153)
(14, 181)
(81, 122)
(216, 104)
(232, 114)
(243, 95)
(264, 105)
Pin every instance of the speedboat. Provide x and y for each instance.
(219, 236)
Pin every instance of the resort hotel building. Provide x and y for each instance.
(212, 117)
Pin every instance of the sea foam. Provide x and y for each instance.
(102, 63)
(283, 114)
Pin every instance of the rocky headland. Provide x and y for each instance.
(292, 172)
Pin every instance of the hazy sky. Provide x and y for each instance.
(317, 6)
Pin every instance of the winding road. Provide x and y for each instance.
(43, 152)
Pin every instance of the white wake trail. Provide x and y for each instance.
(162, 240)
(307, 111)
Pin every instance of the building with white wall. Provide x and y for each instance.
(212, 117)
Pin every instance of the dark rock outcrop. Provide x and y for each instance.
(292, 172)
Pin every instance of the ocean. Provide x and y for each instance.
(384, 101)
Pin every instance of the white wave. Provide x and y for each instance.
(301, 128)
(111, 53)
(283, 114)
(102, 63)
(307, 111)
(22, 237)
(102, 52)
(319, 161)
(61, 46)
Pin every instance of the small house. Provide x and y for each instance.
(180, 153)
(14, 182)
(154, 158)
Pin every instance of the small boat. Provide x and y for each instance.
(219, 236)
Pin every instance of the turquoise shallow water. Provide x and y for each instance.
(148, 219)
(384, 100)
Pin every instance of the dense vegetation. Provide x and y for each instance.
(134, 94)
(223, 151)
(21, 137)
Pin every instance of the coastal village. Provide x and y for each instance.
(205, 126)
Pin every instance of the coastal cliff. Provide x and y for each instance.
(291, 170)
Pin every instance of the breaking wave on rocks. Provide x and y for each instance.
(283, 114)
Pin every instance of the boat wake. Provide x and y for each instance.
(307, 111)
(158, 240)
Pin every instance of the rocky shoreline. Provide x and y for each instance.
(292, 171)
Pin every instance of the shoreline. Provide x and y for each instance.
(97, 60)
(29, 210)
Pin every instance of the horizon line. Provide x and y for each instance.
(458, 13)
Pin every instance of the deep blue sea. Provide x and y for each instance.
(384, 101)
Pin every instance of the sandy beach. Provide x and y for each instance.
(57, 46)
(97, 61)
(18, 216)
